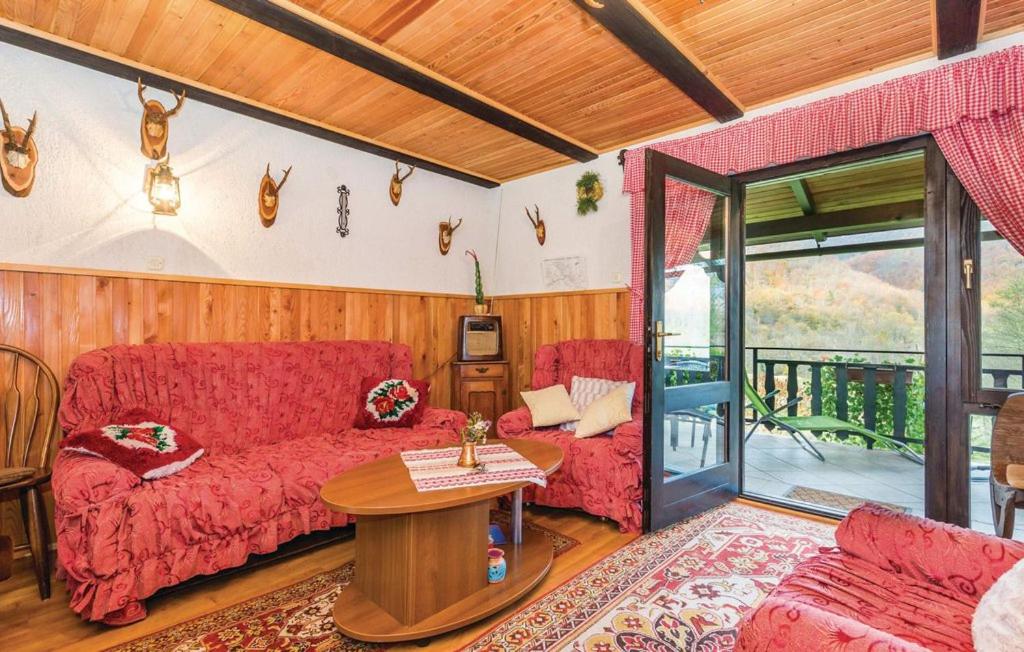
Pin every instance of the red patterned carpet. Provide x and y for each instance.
(297, 618)
(681, 588)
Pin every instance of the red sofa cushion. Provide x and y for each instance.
(895, 582)
(138, 443)
(230, 396)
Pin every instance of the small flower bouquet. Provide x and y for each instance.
(474, 433)
(476, 429)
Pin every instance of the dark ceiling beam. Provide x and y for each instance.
(803, 195)
(957, 25)
(83, 56)
(899, 215)
(638, 33)
(334, 42)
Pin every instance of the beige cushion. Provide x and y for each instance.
(998, 624)
(550, 406)
(605, 413)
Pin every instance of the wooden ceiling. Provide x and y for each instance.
(487, 90)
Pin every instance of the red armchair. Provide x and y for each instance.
(895, 582)
(276, 422)
(601, 475)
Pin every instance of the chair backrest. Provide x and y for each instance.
(1008, 436)
(610, 359)
(230, 396)
(29, 397)
(754, 398)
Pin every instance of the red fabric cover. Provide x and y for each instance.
(895, 582)
(150, 450)
(968, 98)
(391, 402)
(119, 539)
(600, 475)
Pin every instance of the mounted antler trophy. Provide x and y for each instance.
(19, 156)
(154, 128)
(395, 189)
(269, 198)
(444, 235)
(538, 224)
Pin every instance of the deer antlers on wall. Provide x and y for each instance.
(395, 189)
(18, 155)
(154, 127)
(444, 235)
(269, 199)
(538, 224)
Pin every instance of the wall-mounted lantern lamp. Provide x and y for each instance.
(162, 188)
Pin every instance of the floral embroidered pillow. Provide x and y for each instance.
(138, 443)
(391, 403)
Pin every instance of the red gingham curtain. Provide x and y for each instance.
(973, 108)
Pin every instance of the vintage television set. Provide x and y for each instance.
(480, 338)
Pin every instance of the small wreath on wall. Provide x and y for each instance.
(589, 191)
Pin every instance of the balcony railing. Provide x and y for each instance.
(882, 389)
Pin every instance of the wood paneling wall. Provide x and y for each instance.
(533, 320)
(58, 314)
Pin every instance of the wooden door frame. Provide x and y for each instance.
(657, 167)
(946, 472)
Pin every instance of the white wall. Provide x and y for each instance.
(87, 208)
(603, 237)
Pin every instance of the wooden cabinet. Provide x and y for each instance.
(481, 387)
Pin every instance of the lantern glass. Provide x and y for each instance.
(162, 189)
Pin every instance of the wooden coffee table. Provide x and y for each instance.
(421, 558)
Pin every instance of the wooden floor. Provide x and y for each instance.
(27, 624)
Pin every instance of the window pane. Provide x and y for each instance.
(1002, 312)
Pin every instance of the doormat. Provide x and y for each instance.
(682, 588)
(297, 617)
(841, 502)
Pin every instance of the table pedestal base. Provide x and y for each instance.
(423, 574)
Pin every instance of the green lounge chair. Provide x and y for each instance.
(797, 426)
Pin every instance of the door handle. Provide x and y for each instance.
(968, 272)
(659, 339)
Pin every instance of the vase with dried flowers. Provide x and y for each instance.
(480, 307)
(474, 432)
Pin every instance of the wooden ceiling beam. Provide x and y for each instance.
(86, 56)
(803, 195)
(649, 39)
(957, 26)
(324, 35)
(898, 215)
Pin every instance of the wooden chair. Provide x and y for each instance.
(1007, 449)
(29, 398)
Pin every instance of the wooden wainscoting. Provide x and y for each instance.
(59, 313)
(535, 319)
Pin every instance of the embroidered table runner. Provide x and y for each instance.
(435, 469)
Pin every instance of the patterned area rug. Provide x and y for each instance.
(298, 617)
(842, 502)
(682, 588)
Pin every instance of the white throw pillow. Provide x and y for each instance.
(606, 412)
(587, 390)
(998, 624)
(550, 406)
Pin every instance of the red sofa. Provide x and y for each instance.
(895, 582)
(276, 422)
(601, 475)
